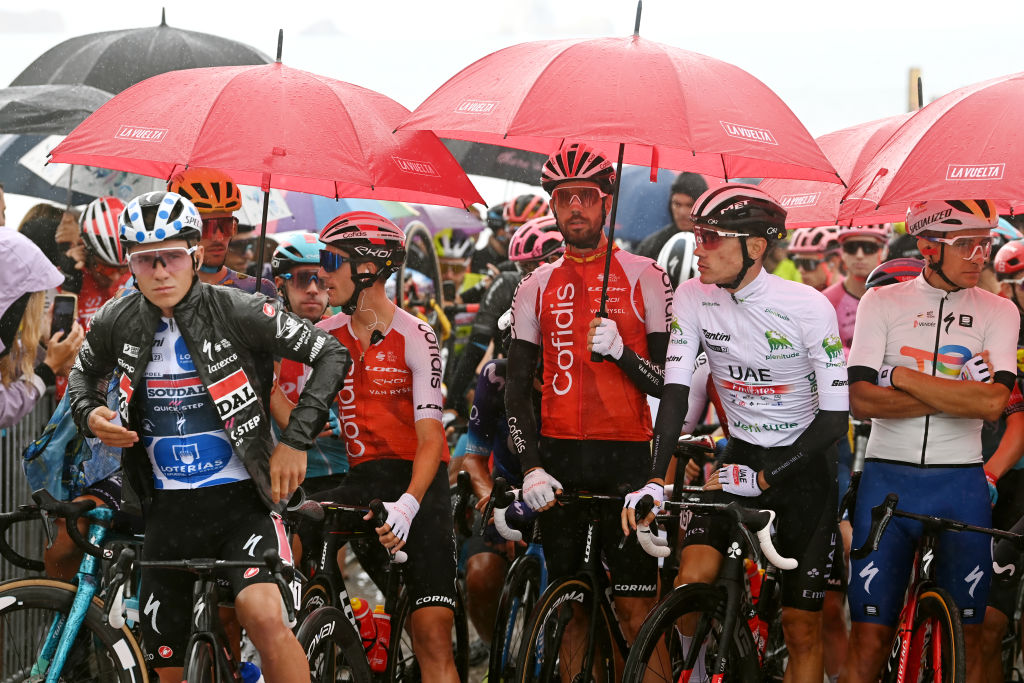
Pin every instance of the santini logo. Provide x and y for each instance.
(141, 134)
(476, 107)
(792, 201)
(975, 171)
(417, 167)
(735, 130)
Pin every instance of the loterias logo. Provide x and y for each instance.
(751, 133)
(975, 171)
(476, 107)
(794, 201)
(141, 133)
(417, 167)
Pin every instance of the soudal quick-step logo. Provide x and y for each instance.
(417, 167)
(752, 133)
(476, 107)
(141, 133)
(232, 393)
(793, 201)
(975, 171)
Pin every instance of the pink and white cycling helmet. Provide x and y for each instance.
(538, 239)
(880, 231)
(578, 162)
(101, 232)
(813, 240)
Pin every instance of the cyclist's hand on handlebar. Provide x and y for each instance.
(114, 435)
(738, 480)
(395, 531)
(287, 470)
(539, 489)
(652, 489)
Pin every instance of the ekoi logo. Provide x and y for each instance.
(749, 133)
(949, 359)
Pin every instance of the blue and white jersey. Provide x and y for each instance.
(181, 429)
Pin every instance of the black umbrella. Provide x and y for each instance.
(116, 60)
(47, 109)
(494, 161)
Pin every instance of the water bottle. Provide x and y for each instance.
(367, 629)
(251, 673)
(379, 654)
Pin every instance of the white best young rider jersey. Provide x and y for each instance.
(774, 351)
(915, 325)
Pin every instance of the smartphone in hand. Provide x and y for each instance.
(65, 313)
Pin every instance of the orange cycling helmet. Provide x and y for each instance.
(210, 190)
(525, 207)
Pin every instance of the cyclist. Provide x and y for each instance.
(391, 413)
(812, 251)
(454, 250)
(490, 259)
(863, 249)
(776, 360)
(217, 197)
(595, 422)
(197, 439)
(685, 190)
(931, 359)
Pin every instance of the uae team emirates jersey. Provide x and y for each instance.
(390, 385)
(553, 308)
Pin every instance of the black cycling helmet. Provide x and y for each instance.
(496, 217)
(896, 270)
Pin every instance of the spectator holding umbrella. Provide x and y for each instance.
(686, 188)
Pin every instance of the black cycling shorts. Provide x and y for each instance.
(805, 523)
(606, 467)
(430, 572)
(227, 522)
(1008, 509)
(108, 490)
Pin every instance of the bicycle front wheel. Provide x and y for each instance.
(201, 663)
(29, 608)
(548, 655)
(333, 647)
(937, 640)
(518, 596)
(658, 653)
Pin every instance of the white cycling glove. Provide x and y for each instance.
(739, 480)
(652, 489)
(976, 370)
(539, 488)
(885, 376)
(400, 514)
(607, 340)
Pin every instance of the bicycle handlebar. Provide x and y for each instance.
(380, 514)
(47, 505)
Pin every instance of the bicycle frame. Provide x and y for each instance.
(207, 628)
(900, 661)
(533, 550)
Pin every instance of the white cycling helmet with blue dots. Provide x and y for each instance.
(169, 216)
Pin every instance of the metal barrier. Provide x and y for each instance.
(14, 489)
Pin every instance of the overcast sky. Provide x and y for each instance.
(835, 64)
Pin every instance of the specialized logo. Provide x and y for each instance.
(150, 610)
(232, 393)
(749, 133)
(924, 222)
(141, 133)
(833, 346)
(777, 341)
(868, 573)
(975, 171)
(973, 578)
(417, 167)
(793, 201)
(476, 107)
(251, 544)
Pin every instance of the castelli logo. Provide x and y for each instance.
(417, 167)
(793, 201)
(141, 133)
(165, 651)
(751, 133)
(268, 310)
(975, 171)
(251, 572)
(476, 107)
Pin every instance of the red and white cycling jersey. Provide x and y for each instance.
(553, 308)
(390, 386)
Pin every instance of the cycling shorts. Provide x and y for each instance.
(607, 467)
(805, 523)
(227, 522)
(108, 490)
(1009, 508)
(963, 561)
(430, 571)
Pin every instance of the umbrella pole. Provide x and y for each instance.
(71, 176)
(603, 312)
(262, 242)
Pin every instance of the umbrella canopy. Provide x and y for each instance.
(437, 218)
(47, 109)
(643, 205)
(809, 204)
(18, 179)
(967, 144)
(115, 60)
(495, 161)
(311, 212)
(270, 125)
(670, 108)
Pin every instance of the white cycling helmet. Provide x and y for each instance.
(813, 240)
(171, 216)
(950, 215)
(676, 257)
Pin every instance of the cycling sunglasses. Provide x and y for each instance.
(241, 247)
(453, 268)
(225, 225)
(966, 248)
(808, 264)
(586, 196)
(869, 248)
(173, 259)
(711, 239)
(331, 261)
(302, 279)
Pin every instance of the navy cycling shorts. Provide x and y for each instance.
(963, 561)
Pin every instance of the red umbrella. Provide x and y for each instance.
(809, 204)
(966, 144)
(270, 125)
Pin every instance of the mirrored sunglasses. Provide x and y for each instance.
(587, 197)
(712, 239)
(225, 225)
(331, 260)
(173, 260)
(303, 278)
